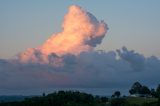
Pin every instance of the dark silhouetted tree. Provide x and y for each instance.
(136, 88)
(153, 92)
(145, 90)
(117, 94)
(104, 99)
(158, 91)
(43, 94)
(119, 102)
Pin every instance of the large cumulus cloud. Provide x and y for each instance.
(68, 59)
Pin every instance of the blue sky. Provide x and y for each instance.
(29, 23)
(132, 23)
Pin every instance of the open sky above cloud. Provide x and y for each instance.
(69, 59)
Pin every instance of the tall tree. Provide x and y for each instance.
(153, 92)
(145, 90)
(117, 94)
(136, 88)
(158, 91)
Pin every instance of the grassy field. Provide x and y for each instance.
(135, 101)
(140, 100)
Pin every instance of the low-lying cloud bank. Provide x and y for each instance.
(88, 69)
(68, 59)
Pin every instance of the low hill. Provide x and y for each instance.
(76, 98)
(12, 98)
(61, 98)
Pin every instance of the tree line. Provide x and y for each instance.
(143, 90)
(61, 98)
(140, 91)
(76, 98)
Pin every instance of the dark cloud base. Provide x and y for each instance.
(96, 69)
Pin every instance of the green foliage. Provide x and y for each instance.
(61, 98)
(118, 102)
(104, 99)
(158, 91)
(76, 98)
(137, 88)
(144, 90)
(117, 94)
(153, 92)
